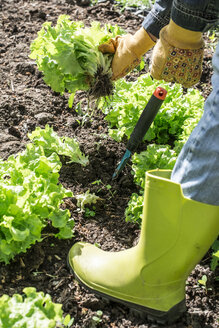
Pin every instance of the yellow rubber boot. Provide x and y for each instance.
(176, 233)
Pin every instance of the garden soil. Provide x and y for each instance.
(25, 103)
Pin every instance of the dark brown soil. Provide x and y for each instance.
(26, 102)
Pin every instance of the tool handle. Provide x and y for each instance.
(146, 118)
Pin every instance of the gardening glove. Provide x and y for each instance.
(177, 56)
(128, 51)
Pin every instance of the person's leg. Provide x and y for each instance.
(197, 167)
(176, 232)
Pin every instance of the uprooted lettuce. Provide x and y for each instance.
(69, 58)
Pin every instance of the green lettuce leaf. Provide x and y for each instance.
(51, 142)
(177, 117)
(32, 310)
(30, 192)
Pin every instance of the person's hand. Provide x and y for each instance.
(127, 51)
(177, 56)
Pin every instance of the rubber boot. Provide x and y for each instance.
(176, 233)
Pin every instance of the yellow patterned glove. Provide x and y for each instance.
(128, 51)
(177, 56)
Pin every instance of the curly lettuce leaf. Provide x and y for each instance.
(31, 195)
(175, 120)
(33, 310)
(51, 142)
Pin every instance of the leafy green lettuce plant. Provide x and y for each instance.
(175, 120)
(32, 310)
(156, 156)
(136, 3)
(86, 198)
(51, 142)
(134, 209)
(31, 195)
(69, 58)
(215, 256)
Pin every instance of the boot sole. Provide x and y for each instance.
(154, 316)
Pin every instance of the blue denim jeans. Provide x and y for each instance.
(194, 15)
(197, 166)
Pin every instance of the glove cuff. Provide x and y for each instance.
(180, 37)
